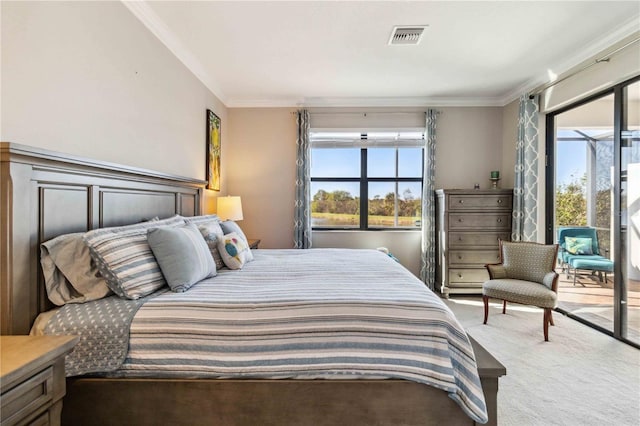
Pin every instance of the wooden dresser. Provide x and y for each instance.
(32, 378)
(468, 225)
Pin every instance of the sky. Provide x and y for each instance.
(571, 161)
(345, 162)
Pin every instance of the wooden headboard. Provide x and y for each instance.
(44, 194)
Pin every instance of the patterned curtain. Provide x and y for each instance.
(428, 269)
(302, 216)
(525, 193)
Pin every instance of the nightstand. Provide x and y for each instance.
(32, 378)
(253, 244)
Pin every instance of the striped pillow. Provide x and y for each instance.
(198, 220)
(125, 260)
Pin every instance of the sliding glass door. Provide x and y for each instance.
(630, 211)
(593, 208)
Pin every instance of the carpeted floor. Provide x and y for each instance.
(579, 377)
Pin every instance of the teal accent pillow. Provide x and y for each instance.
(578, 245)
(182, 254)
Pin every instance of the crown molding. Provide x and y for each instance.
(339, 102)
(142, 11)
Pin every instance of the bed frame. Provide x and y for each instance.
(44, 194)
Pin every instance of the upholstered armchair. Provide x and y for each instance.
(524, 275)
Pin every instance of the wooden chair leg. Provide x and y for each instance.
(485, 299)
(551, 317)
(545, 319)
(504, 306)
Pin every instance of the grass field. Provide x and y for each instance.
(353, 220)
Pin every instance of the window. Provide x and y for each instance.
(378, 173)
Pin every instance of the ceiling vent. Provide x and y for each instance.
(407, 35)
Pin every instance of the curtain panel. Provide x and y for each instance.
(302, 214)
(428, 266)
(525, 192)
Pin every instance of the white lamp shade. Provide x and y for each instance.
(229, 208)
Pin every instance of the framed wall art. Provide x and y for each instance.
(213, 151)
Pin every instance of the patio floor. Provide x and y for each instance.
(592, 300)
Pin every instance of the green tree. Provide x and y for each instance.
(571, 202)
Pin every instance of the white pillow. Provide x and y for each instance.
(229, 226)
(234, 250)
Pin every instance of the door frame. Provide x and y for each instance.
(619, 285)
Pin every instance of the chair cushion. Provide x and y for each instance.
(528, 261)
(591, 263)
(519, 291)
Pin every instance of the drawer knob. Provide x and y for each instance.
(461, 201)
(499, 201)
(460, 220)
(459, 238)
(459, 275)
(499, 220)
(459, 257)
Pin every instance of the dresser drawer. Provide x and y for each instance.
(41, 420)
(467, 276)
(474, 221)
(25, 398)
(473, 257)
(476, 239)
(475, 202)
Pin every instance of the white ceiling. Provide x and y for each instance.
(335, 53)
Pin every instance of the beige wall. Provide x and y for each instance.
(87, 78)
(509, 138)
(260, 160)
(469, 146)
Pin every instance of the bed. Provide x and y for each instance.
(46, 194)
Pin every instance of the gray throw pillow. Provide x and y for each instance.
(229, 226)
(182, 254)
(212, 233)
(70, 275)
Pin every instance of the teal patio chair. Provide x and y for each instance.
(579, 250)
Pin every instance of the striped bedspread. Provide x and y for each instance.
(305, 314)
